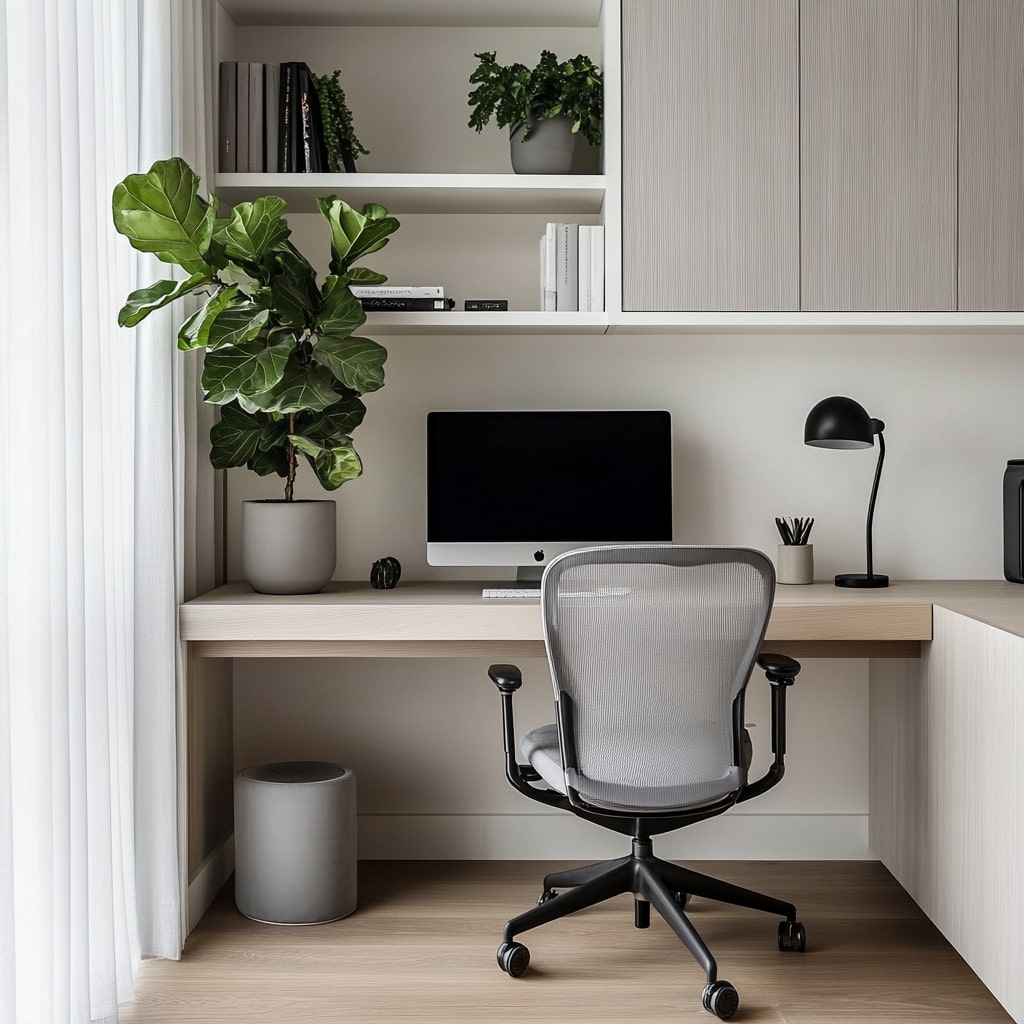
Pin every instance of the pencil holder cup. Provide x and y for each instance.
(795, 563)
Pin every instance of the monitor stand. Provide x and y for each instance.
(528, 576)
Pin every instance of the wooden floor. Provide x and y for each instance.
(421, 946)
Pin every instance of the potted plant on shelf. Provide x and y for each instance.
(544, 108)
(342, 143)
(282, 358)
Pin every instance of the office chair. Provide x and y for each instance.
(650, 648)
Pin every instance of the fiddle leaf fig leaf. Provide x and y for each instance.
(341, 312)
(233, 274)
(143, 301)
(237, 324)
(338, 420)
(357, 362)
(234, 439)
(275, 460)
(195, 331)
(293, 290)
(244, 372)
(300, 389)
(373, 237)
(254, 229)
(162, 212)
(332, 465)
(363, 275)
(353, 234)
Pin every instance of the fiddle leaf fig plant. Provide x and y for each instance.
(283, 360)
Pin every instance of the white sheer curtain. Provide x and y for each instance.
(99, 504)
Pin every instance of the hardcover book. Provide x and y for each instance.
(407, 305)
(226, 117)
(567, 280)
(271, 114)
(287, 138)
(242, 108)
(257, 160)
(397, 291)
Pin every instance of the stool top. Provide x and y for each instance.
(292, 772)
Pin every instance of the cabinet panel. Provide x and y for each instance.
(710, 155)
(991, 264)
(878, 154)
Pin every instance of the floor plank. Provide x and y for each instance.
(421, 948)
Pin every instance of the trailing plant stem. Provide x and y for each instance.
(289, 487)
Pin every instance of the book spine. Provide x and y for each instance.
(397, 291)
(309, 155)
(227, 114)
(242, 107)
(257, 160)
(597, 268)
(486, 305)
(583, 268)
(407, 305)
(271, 113)
(567, 282)
(550, 268)
(286, 138)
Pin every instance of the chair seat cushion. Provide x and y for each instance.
(541, 750)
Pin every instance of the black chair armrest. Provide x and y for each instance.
(778, 668)
(507, 678)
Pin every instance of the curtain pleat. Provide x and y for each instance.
(106, 510)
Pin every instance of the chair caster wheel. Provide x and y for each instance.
(683, 899)
(513, 958)
(792, 937)
(721, 999)
(546, 896)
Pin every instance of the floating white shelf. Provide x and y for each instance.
(808, 322)
(513, 322)
(425, 193)
(437, 13)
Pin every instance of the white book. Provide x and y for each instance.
(397, 291)
(543, 268)
(550, 268)
(567, 282)
(597, 268)
(583, 268)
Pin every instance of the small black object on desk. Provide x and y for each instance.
(385, 573)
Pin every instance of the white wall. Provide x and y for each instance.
(424, 735)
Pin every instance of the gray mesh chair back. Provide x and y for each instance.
(653, 644)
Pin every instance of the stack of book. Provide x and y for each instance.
(269, 118)
(407, 298)
(572, 268)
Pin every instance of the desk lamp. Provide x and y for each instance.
(839, 422)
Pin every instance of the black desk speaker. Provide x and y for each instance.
(1013, 521)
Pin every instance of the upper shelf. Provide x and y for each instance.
(425, 193)
(436, 13)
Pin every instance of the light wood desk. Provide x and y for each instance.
(946, 719)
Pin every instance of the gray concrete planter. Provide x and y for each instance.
(288, 547)
(548, 150)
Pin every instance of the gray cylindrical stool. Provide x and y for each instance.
(295, 842)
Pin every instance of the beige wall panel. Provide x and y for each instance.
(991, 265)
(878, 154)
(946, 785)
(710, 155)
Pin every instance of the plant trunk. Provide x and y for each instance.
(289, 487)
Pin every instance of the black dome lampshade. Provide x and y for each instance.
(840, 422)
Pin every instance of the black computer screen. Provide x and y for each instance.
(601, 476)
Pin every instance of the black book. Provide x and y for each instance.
(312, 148)
(377, 305)
(486, 305)
(288, 135)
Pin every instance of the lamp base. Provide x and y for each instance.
(860, 579)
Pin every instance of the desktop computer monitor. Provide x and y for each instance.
(518, 488)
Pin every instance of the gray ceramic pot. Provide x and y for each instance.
(548, 150)
(288, 547)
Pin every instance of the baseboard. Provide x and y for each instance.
(563, 837)
(209, 879)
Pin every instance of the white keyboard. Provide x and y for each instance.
(515, 592)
